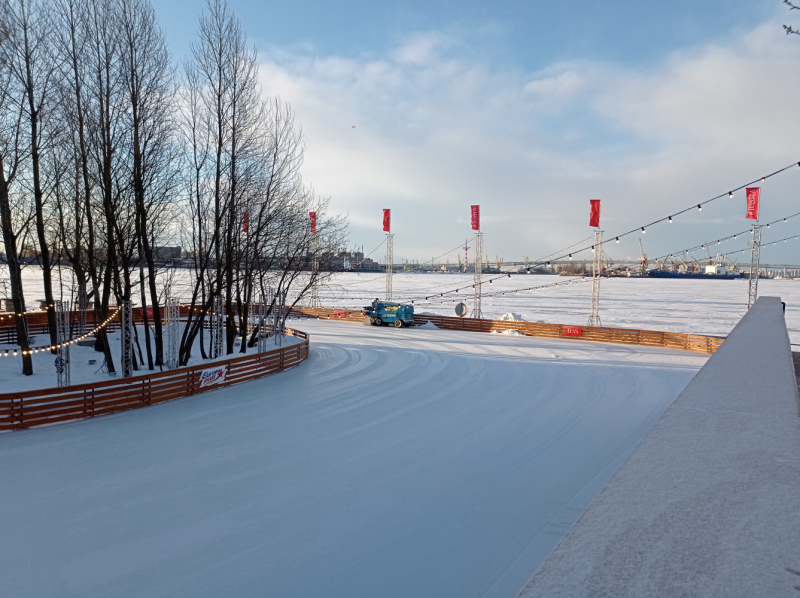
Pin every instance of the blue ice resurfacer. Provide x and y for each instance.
(386, 312)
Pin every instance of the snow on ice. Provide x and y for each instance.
(395, 462)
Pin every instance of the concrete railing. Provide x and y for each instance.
(707, 503)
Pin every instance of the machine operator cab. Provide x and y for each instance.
(391, 314)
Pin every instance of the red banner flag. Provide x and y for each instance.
(387, 220)
(476, 218)
(594, 212)
(313, 216)
(752, 202)
(245, 221)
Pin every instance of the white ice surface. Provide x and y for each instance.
(696, 306)
(395, 462)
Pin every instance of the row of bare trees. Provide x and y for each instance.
(109, 151)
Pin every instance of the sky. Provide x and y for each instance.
(530, 109)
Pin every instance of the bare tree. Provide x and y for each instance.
(148, 75)
(28, 55)
(12, 152)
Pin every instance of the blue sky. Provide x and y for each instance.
(530, 109)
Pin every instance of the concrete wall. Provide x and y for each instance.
(708, 504)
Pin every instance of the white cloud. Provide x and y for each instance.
(435, 133)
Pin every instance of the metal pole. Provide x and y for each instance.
(597, 267)
(262, 323)
(126, 335)
(217, 322)
(83, 305)
(62, 336)
(755, 261)
(315, 274)
(476, 304)
(173, 331)
(389, 262)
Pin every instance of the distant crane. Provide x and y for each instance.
(644, 258)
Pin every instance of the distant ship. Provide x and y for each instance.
(711, 272)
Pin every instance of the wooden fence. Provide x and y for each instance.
(626, 336)
(47, 406)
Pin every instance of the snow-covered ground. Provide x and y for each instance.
(395, 462)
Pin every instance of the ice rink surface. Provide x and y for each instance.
(393, 463)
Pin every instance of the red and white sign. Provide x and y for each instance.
(339, 314)
(148, 311)
(476, 218)
(213, 376)
(752, 202)
(313, 216)
(245, 221)
(572, 331)
(594, 212)
(387, 220)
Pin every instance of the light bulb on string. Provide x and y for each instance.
(643, 231)
(670, 219)
(730, 193)
(617, 239)
(699, 208)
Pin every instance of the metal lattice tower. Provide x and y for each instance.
(63, 336)
(262, 334)
(173, 333)
(217, 325)
(755, 262)
(476, 305)
(597, 268)
(83, 306)
(389, 262)
(126, 335)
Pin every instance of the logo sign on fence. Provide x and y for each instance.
(148, 311)
(572, 331)
(339, 314)
(213, 376)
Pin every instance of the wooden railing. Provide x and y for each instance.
(47, 406)
(627, 336)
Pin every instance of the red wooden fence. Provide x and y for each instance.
(628, 336)
(47, 406)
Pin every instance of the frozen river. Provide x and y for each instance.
(696, 306)
(400, 463)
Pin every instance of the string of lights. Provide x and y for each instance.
(698, 207)
(784, 240)
(722, 239)
(69, 342)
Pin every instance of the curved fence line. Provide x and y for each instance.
(47, 406)
(627, 336)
